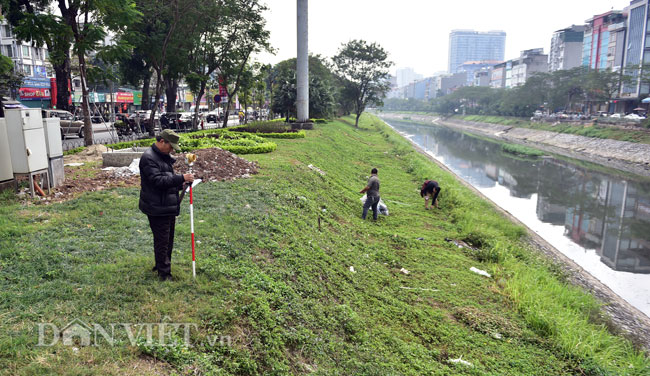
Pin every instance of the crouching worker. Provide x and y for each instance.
(372, 195)
(159, 198)
(430, 190)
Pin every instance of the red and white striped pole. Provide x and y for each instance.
(192, 228)
(191, 158)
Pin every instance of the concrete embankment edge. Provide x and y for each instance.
(623, 317)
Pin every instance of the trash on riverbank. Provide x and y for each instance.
(404, 271)
(311, 166)
(461, 361)
(481, 272)
(383, 209)
(352, 269)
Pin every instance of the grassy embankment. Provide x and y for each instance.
(280, 284)
(587, 130)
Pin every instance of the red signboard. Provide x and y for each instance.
(124, 97)
(30, 93)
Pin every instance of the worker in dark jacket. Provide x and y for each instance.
(430, 190)
(159, 197)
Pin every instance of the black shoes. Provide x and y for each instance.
(166, 277)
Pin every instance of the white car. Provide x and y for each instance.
(615, 116)
(633, 117)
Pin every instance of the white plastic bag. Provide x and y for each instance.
(383, 209)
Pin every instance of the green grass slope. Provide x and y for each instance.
(274, 275)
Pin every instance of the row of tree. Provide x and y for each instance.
(208, 43)
(576, 89)
(163, 41)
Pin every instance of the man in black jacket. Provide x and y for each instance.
(159, 197)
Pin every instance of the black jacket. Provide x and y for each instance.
(159, 186)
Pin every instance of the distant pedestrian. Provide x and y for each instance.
(159, 198)
(430, 190)
(372, 195)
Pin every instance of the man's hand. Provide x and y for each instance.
(188, 178)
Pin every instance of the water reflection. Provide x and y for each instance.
(598, 211)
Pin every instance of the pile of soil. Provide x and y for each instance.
(216, 164)
(211, 165)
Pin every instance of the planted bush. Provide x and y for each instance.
(234, 142)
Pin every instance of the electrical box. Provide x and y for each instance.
(6, 171)
(27, 146)
(54, 145)
(53, 142)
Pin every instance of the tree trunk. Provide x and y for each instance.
(356, 122)
(62, 73)
(150, 125)
(195, 121)
(145, 91)
(88, 127)
(171, 85)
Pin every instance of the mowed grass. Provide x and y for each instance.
(274, 276)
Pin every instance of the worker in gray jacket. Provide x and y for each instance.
(372, 195)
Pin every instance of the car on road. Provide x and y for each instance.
(213, 117)
(615, 116)
(170, 120)
(69, 126)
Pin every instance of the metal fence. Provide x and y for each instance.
(69, 144)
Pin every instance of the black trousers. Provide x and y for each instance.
(163, 242)
(371, 202)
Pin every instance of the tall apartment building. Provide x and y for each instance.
(470, 45)
(32, 62)
(406, 75)
(596, 43)
(566, 48)
(637, 52)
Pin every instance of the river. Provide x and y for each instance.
(597, 217)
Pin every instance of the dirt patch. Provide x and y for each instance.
(92, 153)
(211, 165)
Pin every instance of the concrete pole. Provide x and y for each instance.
(302, 69)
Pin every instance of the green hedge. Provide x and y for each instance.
(235, 142)
(285, 135)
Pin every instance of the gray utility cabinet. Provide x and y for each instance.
(54, 145)
(27, 146)
(6, 171)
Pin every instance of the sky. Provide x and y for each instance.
(416, 32)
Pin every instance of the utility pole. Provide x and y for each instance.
(302, 61)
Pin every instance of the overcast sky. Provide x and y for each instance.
(416, 32)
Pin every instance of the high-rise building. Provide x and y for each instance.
(470, 45)
(595, 46)
(406, 75)
(637, 52)
(566, 48)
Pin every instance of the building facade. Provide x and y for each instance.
(596, 42)
(405, 76)
(33, 63)
(521, 69)
(637, 52)
(469, 67)
(470, 45)
(566, 48)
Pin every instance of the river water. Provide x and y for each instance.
(597, 218)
